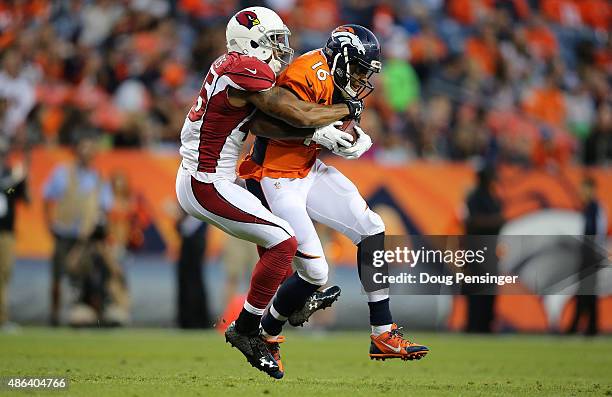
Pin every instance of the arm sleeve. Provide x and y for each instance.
(251, 74)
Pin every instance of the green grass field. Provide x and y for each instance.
(167, 362)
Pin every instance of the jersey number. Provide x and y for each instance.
(197, 110)
(321, 73)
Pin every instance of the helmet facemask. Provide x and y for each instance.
(352, 77)
(277, 41)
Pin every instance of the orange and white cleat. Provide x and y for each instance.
(391, 344)
(273, 345)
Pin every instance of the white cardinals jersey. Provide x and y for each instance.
(214, 130)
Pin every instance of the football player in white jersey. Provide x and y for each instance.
(237, 84)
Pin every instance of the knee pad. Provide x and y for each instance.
(371, 224)
(314, 271)
(375, 223)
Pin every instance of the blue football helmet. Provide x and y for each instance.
(353, 55)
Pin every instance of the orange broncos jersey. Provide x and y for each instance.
(307, 77)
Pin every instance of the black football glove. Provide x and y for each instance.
(355, 108)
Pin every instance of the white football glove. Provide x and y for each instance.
(362, 145)
(331, 137)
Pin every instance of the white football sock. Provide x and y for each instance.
(379, 295)
(380, 329)
(267, 336)
(252, 309)
(276, 314)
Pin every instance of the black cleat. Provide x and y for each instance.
(273, 345)
(255, 350)
(320, 300)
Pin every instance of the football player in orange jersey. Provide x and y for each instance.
(296, 186)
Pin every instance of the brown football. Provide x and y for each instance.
(348, 126)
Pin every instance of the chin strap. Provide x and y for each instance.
(275, 65)
(334, 64)
(347, 88)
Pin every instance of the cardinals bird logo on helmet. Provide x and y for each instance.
(268, 41)
(247, 19)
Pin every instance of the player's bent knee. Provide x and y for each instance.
(287, 247)
(281, 255)
(314, 274)
(370, 224)
(290, 245)
(373, 223)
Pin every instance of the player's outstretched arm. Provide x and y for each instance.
(329, 136)
(284, 105)
(269, 127)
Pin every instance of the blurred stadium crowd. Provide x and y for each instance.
(520, 81)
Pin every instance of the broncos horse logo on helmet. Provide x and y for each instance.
(347, 36)
(247, 19)
(353, 55)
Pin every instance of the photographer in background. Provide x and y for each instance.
(76, 203)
